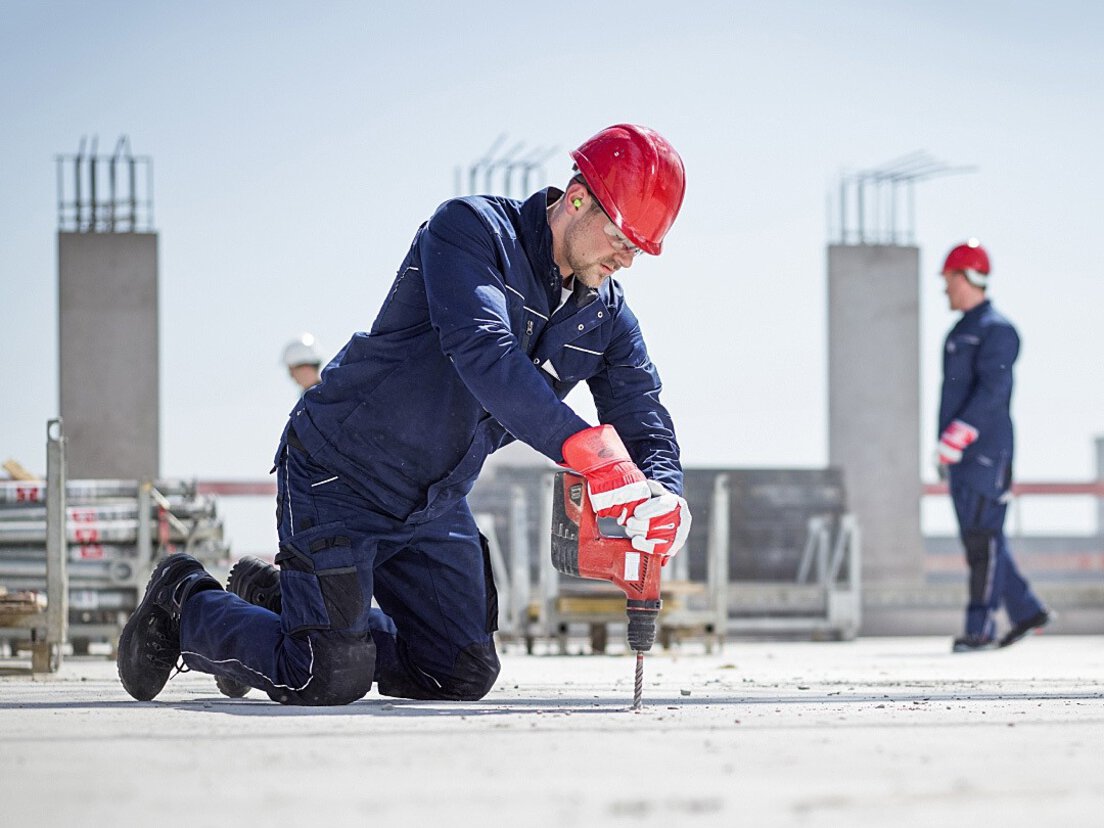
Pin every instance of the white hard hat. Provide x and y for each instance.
(302, 350)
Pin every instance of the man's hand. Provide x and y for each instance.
(660, 525)
(954, 440)
(940, 466)
(615, 485)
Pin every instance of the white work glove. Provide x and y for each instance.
(954, 440)
(659, 525)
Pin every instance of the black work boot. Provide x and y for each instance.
(971, 643)
(1035, 622)
(258, 583)
(149, 645)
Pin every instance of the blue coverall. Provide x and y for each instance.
(475, 345)
(978, 356)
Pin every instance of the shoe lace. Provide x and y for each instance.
(160, 650)
(160, 658)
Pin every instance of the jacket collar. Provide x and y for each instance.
(537, 240)
(977, 310)
(536, 236)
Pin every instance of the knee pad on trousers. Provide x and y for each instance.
(341, 671)
(979, 552)
(979, 545)
(473, 675)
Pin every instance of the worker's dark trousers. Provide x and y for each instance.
(430, 638)
(994, 578)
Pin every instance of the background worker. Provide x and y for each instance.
(499, 309)
(975, 451)
(304, 361)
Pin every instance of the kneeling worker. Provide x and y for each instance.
(498, 310)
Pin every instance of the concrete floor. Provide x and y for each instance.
(880, 732)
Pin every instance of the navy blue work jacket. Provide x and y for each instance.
(469, 352)
(978, 357)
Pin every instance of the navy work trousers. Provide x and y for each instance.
(995, 580)
(429, 638)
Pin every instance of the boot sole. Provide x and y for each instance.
(1034, 629)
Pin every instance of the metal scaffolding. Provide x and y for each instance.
(90, 545)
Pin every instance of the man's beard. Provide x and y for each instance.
(590, 273)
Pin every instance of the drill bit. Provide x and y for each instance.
(638, 686)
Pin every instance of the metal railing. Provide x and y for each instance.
(813, 591)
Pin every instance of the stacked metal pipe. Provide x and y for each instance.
(111, 543)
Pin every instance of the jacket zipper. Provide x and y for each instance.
(528, 335)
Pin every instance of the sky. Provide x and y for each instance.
(297, 146)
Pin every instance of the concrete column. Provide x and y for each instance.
(874, 402)
(108, 353)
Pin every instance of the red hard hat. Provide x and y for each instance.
(972, 259)
(638, 178)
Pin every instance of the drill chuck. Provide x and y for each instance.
(642, 623)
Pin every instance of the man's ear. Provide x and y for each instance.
(577, 196)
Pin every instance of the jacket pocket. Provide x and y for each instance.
(576, 362)
(316, 597)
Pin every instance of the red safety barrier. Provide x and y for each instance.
(1094, 488)
(237, 488)
(267, 488)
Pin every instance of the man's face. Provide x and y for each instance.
(957, 289)
(305, 376)
(592, 254)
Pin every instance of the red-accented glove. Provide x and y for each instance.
(614, 484)
(659, 525)
(954, 440)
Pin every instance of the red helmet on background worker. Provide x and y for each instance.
(638, 178)
(972, 260)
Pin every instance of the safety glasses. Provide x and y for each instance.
(618, 239)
